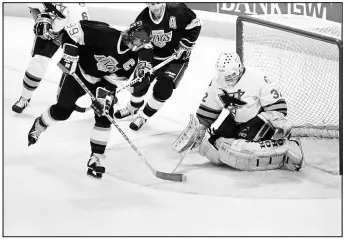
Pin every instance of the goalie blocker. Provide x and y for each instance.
(242, 154)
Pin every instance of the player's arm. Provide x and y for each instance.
(207, 113)
(77, 12)
(209, 109)
(275, 110)
(43, 21)
(144, 66)
(192, 30)
(71, 37)
(145, 58)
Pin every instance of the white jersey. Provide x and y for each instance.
(73, 12)
(253, 88)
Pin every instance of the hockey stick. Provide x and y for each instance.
(183, 157)
(129, 83)
(158, 174)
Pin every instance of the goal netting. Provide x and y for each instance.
(304, 56)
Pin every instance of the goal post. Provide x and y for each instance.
(304, 55)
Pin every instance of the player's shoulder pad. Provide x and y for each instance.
(142, 14)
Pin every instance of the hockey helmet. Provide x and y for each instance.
(229, 68)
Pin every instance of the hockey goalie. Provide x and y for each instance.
(255, 135)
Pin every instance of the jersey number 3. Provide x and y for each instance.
(276, 94)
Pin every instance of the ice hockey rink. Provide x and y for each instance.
(47, 192)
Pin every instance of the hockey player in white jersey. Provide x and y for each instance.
(50, 19)
(255, 135)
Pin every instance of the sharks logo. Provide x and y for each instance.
(106, 64)
(232, 101)
(160, 38)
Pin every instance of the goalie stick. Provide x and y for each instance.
(183, 157)
(162, 175)
(129, 83)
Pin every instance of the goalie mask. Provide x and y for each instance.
(137, 35)
(229, 69)
(156, 10)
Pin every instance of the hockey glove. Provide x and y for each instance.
(282, 128)
(43, 27)
(182, 52)
(68, 62)
(143, 70)
(104, 102)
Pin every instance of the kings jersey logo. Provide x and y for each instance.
(160, 38)
(106, 64)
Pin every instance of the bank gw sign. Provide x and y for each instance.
(328, 11)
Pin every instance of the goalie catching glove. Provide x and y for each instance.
(68, 62)
(43, 27)
(103, 103)
(277, 122)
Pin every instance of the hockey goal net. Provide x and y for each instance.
(304, 56)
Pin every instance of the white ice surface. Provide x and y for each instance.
(47, 193)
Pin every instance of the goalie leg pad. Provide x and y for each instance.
(253, 156)
(294, 156)
(188, 136)
(207, 150)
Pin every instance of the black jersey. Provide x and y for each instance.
(101, 49)
(179, 24)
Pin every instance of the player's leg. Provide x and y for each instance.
(227, 129)
(251, 148)
(254, 130)
(209, 147)
(42, 51)
(167, 81)
(69, 92)
(137, 94)
(98, 141)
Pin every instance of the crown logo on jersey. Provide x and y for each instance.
(159, 38)
(106, 64)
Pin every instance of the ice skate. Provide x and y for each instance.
(95, 168)
(125, 112)
(137, 122)
(35, 131)
(20, 105)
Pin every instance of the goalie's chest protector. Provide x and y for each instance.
(247, 89)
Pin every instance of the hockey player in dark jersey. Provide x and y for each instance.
(50, 18)
(175, 29)
(101, 57)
